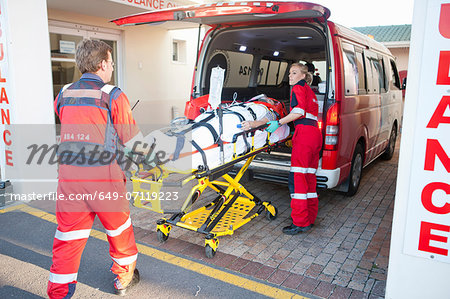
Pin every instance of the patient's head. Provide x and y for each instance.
(267, 100)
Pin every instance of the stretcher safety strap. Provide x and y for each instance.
(303, 169)
(252, 112)
(210, 128)
(178, 147)
(118, 231)
(125, 261)
(199, 149)
(62, 278)
(72, 235)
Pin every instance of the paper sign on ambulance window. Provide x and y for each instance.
(427, 232)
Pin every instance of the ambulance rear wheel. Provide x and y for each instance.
(356, 170)
(271, 217)
(210, 252)
(161, 236)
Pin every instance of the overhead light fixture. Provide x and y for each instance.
(276, 53)
(242, 48)
(304, 37)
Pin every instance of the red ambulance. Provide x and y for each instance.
(356, 79)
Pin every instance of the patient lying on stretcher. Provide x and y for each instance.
(197, 145)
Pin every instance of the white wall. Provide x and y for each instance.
(152, 77)
(402, 55)
(30, 91)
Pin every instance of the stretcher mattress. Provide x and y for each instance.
(189, 158)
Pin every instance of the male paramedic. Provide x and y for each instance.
(95, 118)
(306, 144)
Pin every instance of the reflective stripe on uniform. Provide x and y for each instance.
(303, 169)
(72, 235)
(310, 116)
(66, 86)
(125, 260)
(107, 88)
(62, 278)
(118, 231)
(83, 93)
(299, 196)
(298, 110)
(311, 195)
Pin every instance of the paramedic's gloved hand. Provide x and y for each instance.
(273, 126)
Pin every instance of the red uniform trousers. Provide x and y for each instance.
(104, 198)
(306, 145)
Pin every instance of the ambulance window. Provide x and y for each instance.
(320, 67)
(394, 74)
(361, 73)
(385, 73)
(378, 76)
(351, 72)
(271, 72)
(237, 67)
(372, 72)
(240, 68)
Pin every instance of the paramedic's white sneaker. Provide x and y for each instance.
(294, 229)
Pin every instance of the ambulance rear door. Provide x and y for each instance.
(228, 13)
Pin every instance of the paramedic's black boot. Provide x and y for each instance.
(294, 229)
(134, 281)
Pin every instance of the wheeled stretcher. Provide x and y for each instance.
(233, 206)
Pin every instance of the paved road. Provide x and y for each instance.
(344, 256)
(25, 255)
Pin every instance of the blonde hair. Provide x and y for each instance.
(304, 69)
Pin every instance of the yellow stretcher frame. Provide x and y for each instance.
(231, 209)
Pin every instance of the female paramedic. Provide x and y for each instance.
(306, 144)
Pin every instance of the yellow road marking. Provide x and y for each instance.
(233, 279)
(13, 208)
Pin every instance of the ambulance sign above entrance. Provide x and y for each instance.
(427, 230)
(148, 4)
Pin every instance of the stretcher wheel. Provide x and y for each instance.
(271, 217)
(211, 244)
(162, 237)
(210, 252)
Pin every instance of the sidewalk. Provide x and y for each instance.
(344, 256)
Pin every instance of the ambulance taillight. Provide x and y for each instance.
(332, 127)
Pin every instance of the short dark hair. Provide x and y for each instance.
(90, 53)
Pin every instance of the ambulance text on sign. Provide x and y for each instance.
(428, 221)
